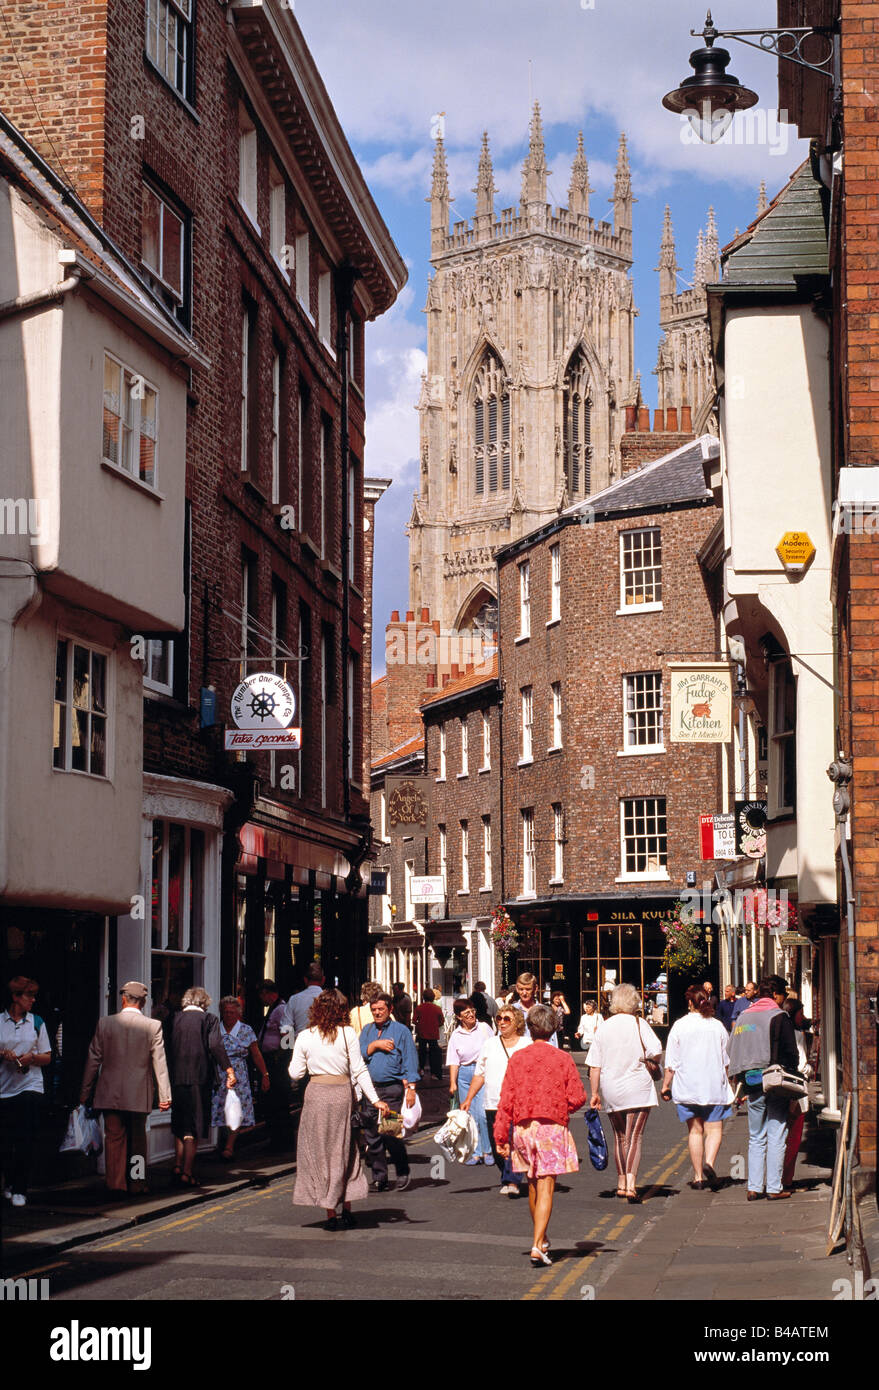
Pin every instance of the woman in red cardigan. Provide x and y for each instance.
(541, 1089)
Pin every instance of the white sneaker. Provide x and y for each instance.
(19, 1199)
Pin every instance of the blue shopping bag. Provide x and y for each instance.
(596, 1139)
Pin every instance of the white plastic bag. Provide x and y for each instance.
(233, 1110)
(83, 1134)
(411, 1116)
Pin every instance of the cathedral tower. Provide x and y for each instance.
(530, 349)
(685, 365)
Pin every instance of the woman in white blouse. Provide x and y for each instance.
(328, 1167)
(621, 1080)
(696, 1067)
(465, 1045)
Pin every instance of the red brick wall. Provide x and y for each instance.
(467, 798)
(588, 652)
(410, 657)
(640, 446)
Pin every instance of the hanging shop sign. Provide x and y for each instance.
(263, 706)
(378, 883)
(427, 889)
(750, 829)
(701, 703)
(407, 802)
(717, 836)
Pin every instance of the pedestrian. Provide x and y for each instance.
(124, 1055)
(762, 1036)
(540, 1090)
(799, 1105)
(240, 1043)
(25, 1049)
(480, 1004)
(195, 1052)
(726, 1006)
(328, 1167)
(389, 1052)
(491, 1068)
(562, 1011)
(275, 1043)
(428, 1024)
(622, 1082)
(524, 997)
(363, 1015)
(490, 1003)
(590, 1022)
(708, 991)
(465, 1045)
(696, 1063)
(402, 1009)
(745, 999)
(299, 1005)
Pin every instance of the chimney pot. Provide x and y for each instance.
(631, 415)
(425, 615)
(658, 422)
(445, 679)
(671, 419)
(410, 615)
(686, 419)
(436, 626)
(644, 419)
(431, 680)
(468, 669)
(395, 616)
(455, 672)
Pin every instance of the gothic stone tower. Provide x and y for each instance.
(684, 365)
(530, 343)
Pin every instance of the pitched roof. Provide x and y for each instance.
(787, 242)
(406, 750)
(675, 478)
(470, 680)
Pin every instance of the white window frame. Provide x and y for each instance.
(465, 748)
(303, 272)
(628, 604)
(300, 462)
(555, 585)
(71, 642)
(558, 839)
(524, 601)
(383, 817)
(529, 856)
(556, 693)
(160, 271)
(441, 730)
(325, 658)
(486, 741)
(159, 647)
(526, 709)
(486, 855)
(325, 312)
(248, 167)
(134, 390)
(653, 871)
(278, 218)
(161, 947)
(161, 43)
(323, 486)
(465, 858)
(408, 875)
(779, 672)
(352, 529)
(443, 851)
(631, 693)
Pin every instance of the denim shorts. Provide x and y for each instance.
(709, 1113)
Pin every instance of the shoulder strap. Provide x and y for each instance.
(36, 1020)
(640, 1037)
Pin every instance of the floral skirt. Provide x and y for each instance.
(543, 1150)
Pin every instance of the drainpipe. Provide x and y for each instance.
(840, 773)
(23, 302)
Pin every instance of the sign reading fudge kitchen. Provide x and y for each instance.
(701, 703)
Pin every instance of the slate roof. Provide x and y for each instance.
(785, 243)
(677, 477)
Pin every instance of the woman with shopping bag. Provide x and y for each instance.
(491, 1068)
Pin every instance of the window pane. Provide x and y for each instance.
(99, 682)
(98, 764)
(196, 891)
(79, 750)
(151, 241)
(147, 462)
(156, 889)
(81, 677)
(61, 671)
(172, 250)
(112, 409)
(175, 881)
(59, 735)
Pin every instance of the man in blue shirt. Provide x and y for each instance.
(745, 1000)
(389, 1052)
(726, 1006)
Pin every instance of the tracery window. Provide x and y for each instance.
(491, 428)
(577, 428)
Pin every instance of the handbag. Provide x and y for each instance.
(360, 1109)
(778, 1082)
(654, 1068)
(596, 1140)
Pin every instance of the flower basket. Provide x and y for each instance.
(684, 946)
(504, 935)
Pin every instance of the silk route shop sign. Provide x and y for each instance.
(263, 706)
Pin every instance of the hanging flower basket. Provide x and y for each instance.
(503, 930)
(684, 945)
(766, 908)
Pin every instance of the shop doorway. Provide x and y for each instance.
(615, 953)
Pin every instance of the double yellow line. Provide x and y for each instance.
(547, 1287)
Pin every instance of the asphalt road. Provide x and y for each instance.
(451, 1236)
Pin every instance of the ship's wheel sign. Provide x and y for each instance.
(263, 701)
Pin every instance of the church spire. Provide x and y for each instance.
(534, 170)
(440, 197)
(762, 200)
(622, 191)
(668, 266)
(578, 193)
(712, 250)
(484, 190)
(699, 264)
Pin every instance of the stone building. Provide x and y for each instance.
(530, 341)
(685, 366)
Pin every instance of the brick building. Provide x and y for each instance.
(599, 820)
(207, 147)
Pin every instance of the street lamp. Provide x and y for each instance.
(710, 98)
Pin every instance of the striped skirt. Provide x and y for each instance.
(328, 1167)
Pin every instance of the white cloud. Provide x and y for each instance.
(395, 359)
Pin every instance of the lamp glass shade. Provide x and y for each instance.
(709, 119)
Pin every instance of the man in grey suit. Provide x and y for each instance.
(126, 1050)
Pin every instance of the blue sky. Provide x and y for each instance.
(597, 65)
